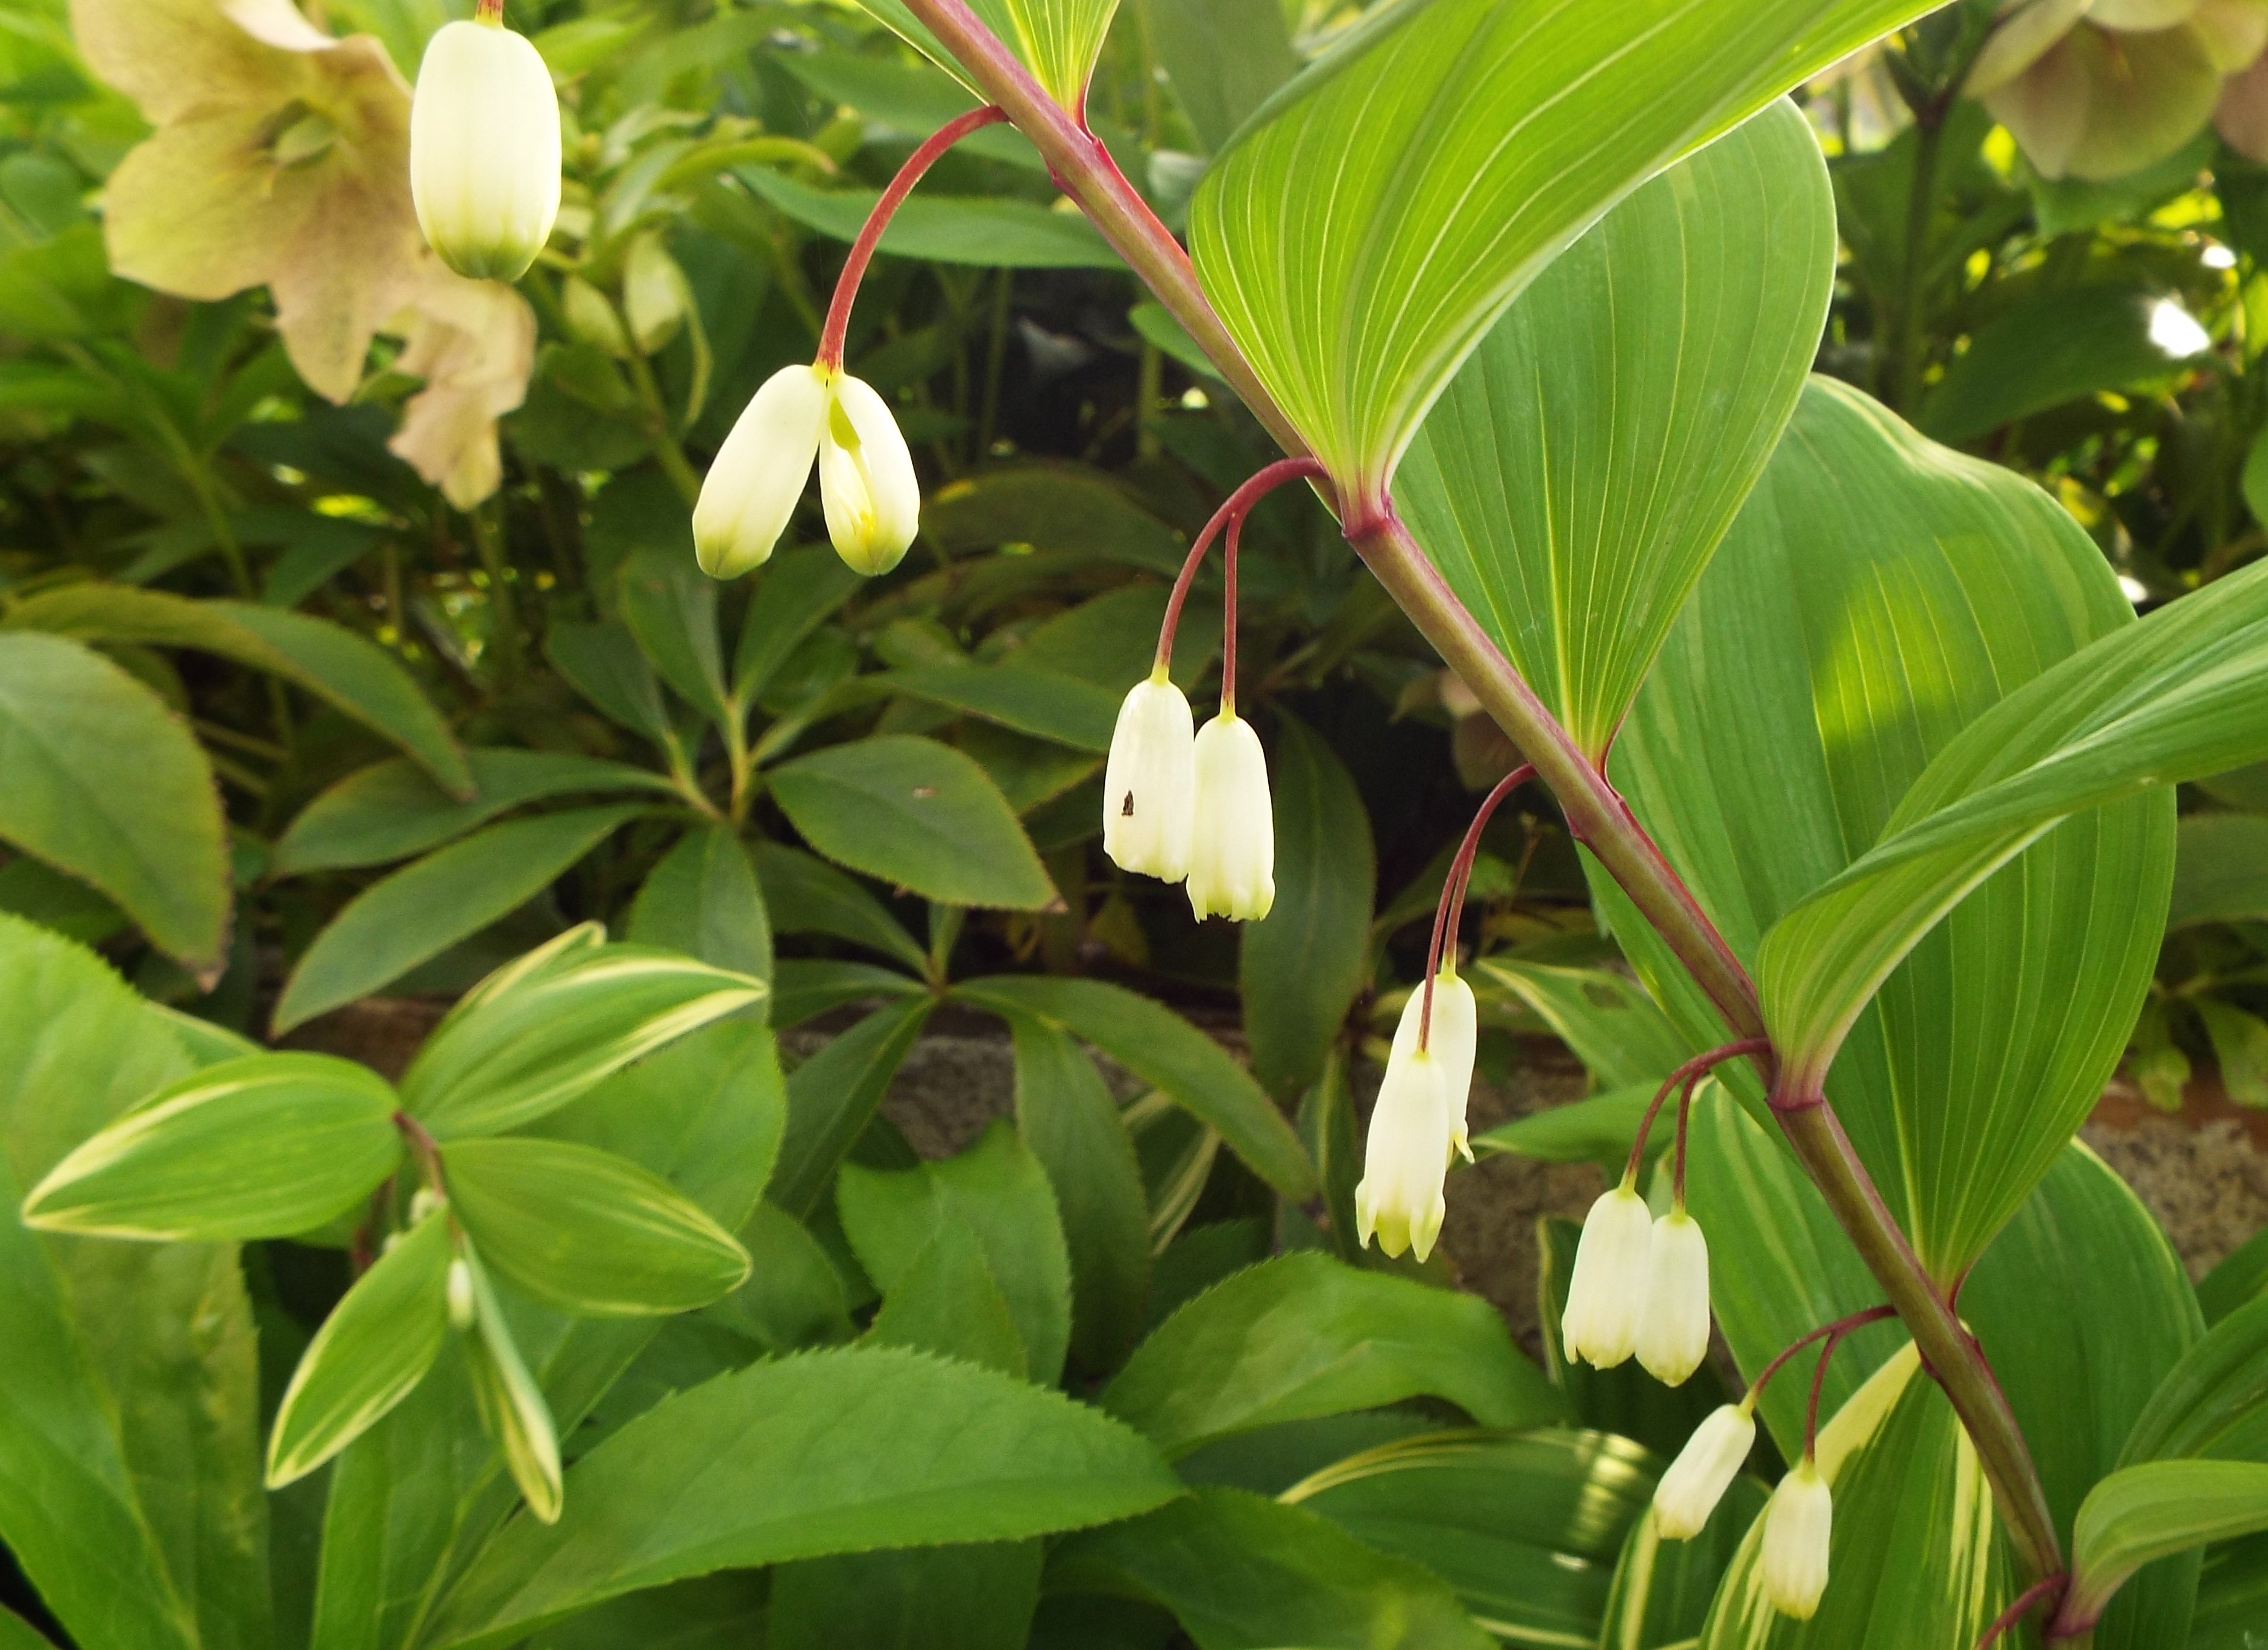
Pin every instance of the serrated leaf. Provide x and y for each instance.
(703, 900)
(263, 1146)
(375, 1346)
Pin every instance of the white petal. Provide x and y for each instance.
(1454, 1040)
(1673, 1336)
(1400, 1198)
(1607, 1293)
(753, 487)
(1149, 787)
(866, 480)
(484, 149)
(1233, 842)
(1798, 1531)
(1704, 1470)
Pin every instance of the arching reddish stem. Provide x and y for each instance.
(1690, 1074)
(862, 250)
(1238, 504)
(1450, 910)
(1228, 616)
(1840, 1327)
(2039, 1593)
(1837, 1333)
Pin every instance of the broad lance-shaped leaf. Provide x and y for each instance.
(544, 1029)
(586, 1231)
(511, 1403)
(265, 1146)
(1058, 40)
(2178, 696)
(1576, 476)
(1361, 236)
(1877, 595)
(377, 1343)
(2152, 1511)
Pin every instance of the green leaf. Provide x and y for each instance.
(2233, 1597)
(2211, 1404)
(804, 989)
(792, 596)
(1300, 970)
(2240, 1048)
(997, 1188)
(1444, 152)
(265, 1146)
(2174, 697)
(603, 662)
(1914, 1560)
(975, 1597)
(1043, 703)
(2220, 870)
(703, 900)
(1304, 1336)
(392, 809)
(1243, 1573)
(1052, 507)
(336, 664)
(1058, 40)
(726, 1611)
(1072, 1125)
(799, 1457)
(1578, 474)
(944, 1298)
(1661, 1590)
(906, 99)
(1526, 1526)
(831, 1098)
(2240, 1277)
(917, 814)
(377, 1343)
(1597, 1129)
(988, 231)
(1877, 595)
(794, 1297)
(805, 895)
(1611, 1023)
(586, 1231)
(32, 889)
(512, 1408)
(106, 783)
(1224, 58)
(134, 1506)
(1169, 1053)
(422, 910)
(2152, 1511)
(2050, 348)
(671, 608)
(545, 1029)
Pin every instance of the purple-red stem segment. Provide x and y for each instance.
(1450, 910)
(1232, 510)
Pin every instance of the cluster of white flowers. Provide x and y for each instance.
(1419, 1121)
(1191, 807)
(1641, 1285)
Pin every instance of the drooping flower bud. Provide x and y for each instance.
(865, 475)
(1233, 840)
(484, 149)
(1704, 1470)
(1799, 1528)
(866, 480)
(1607, 1295)
(1454, 1039)
(461, 1307)
(1400, 1200)
(1672, 1334)
(1149, 786)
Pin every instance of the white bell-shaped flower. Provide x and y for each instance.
(1704, 1470)
(1673, 1332)
(1400, 1200)
(1149, 786)
(1454, 1040)
(1799, 1528)
(1606, 1296)
(865, 475)
(1232, 838)
(484, 149)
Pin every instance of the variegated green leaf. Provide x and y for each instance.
(1058, 40)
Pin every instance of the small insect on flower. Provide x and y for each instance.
(1454, 1040)
(1704, 1470)
(1233, 840)
(1149, 786)
(1400, 1200)
(484, 148)
(1672, 1334)
(1799, 1528)
(866, 480)
(1607, 1293)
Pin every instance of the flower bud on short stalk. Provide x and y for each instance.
(1453, 1039)
(1673, 1336)
(1606, 1296)
(1799, 1528)
(462, 1307)
(865, 475)
(1705, 1469)
(1400, 1200)
(484, 148)
(1149, 787)
(1232, 838)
